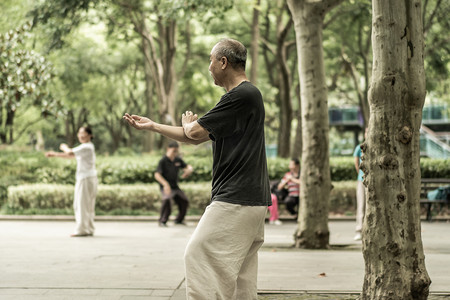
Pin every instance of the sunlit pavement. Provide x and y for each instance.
(139, 260)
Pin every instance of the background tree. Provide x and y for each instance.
(24, 78)
(349, 54)
(308, 19)
(392, 244)
(155, 23)
(276, 52)
(437, 49)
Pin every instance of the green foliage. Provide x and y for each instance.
(111, 199)
(434, 168)
(342, 168)
(24, 80)
(33, 167)
(137, 199)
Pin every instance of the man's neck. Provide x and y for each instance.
(235, 81)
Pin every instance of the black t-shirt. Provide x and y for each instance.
(169, 170)
(236, 127)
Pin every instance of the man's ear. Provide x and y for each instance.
(224, 62)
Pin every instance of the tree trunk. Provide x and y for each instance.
(282, 80)
(284, 135)
(255, 43)
(2, 128)
(392, 245)
(149, 137)
(296, 151)
(10, 126)
(40, 141)
(312, 231)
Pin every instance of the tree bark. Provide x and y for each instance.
(392, 244)
(296, 151)
(148, 138)
(313, 231)
(255, 43)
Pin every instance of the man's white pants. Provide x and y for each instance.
(84, 205)
(360, 205)
(221, 258)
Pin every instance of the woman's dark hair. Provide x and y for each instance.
(296, 161)
(88, 131)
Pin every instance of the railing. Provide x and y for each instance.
(435, 114)
(345, 116)
(431, 146)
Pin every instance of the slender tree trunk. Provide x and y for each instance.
(148, 138)
(297, 146)
(308, 16)
(10, 126)
(68, 122)
(284, 136)
(255, 43)
(2, 127)
(283, 81)
(392, 243)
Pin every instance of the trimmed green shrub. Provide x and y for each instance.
(435, 168)
(138, 199)
(110, 198)
(34, 167)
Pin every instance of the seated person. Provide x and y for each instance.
(291, 182)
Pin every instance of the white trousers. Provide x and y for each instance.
(221, 258)
(84, 205)
(360, 205)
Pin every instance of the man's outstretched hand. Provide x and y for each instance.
(139, 122)
(188, 117)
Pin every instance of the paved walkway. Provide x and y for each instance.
(139, 260)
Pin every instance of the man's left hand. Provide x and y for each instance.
(188, 117)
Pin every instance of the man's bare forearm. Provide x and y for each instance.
(175, 133)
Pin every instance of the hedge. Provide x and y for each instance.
(111, 199)
(34, 167)
(134, 199)
(22, 167)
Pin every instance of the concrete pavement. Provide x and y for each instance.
(139, 260)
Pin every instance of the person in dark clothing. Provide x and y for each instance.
(167, 176)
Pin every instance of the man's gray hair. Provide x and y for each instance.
(233, 50)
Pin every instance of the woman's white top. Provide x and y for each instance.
(85, 155)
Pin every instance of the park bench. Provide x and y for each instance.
(428, 185)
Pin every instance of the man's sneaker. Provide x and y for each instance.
(162, 224)
(357, 236)
(180, 223)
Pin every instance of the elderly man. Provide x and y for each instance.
(221, 257)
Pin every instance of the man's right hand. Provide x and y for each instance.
(139, 122)
(167, 190)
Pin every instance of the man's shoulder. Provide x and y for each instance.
(163, 159)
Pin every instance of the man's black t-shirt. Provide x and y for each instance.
(236, 127)
(169, 170)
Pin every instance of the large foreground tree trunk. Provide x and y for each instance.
(392, 245)
(315, 185)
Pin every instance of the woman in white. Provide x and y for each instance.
(86, 181)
